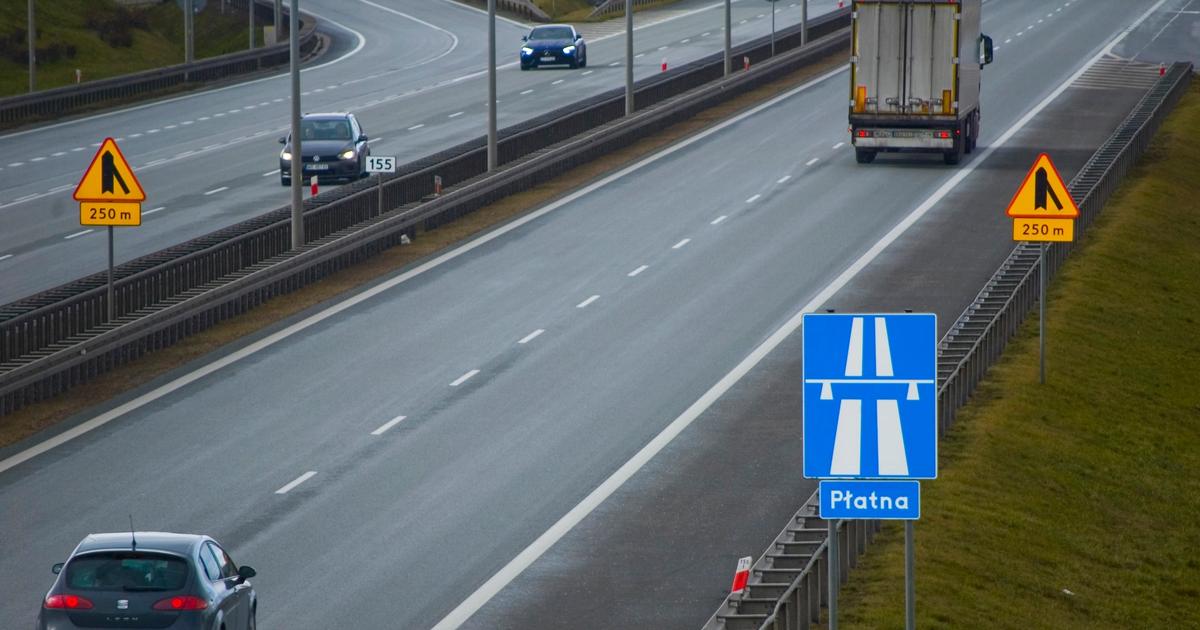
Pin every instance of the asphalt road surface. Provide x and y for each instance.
(413, 70)
(452, 414)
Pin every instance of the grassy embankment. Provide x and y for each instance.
(103, 39)
(1077, 504)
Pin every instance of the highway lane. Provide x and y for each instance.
(416, 84)
(411, 520)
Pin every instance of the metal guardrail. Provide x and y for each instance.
(59, 338)
(65, 100)
(966, 352)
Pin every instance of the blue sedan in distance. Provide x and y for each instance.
(553, 44)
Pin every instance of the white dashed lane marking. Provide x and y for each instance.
(387, 425)
(71, 236)
(216, 190)
(718, 220)
(464, 378)
(585, 303)
(753, 199)
(531, 336)
(295, 482)
(682, 243)
(635, 272)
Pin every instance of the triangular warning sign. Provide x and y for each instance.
(109, 178)
(1043, 194)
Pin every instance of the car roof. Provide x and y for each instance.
(326, 116)
(181, 544)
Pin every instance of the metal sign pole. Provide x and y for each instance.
(250, 10)
(1042, 312)
(910, 579)
(728, 38)
(628, 57)
(189, 32)
(834, 579)
(492, 148)
(297, 149)
(379, 182)
(112, 307)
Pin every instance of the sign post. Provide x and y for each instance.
(110, 195)
(1043, 212)
(870, 376)
(380, 164)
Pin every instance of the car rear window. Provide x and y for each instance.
(551, 32)
(126, 571)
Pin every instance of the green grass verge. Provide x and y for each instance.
(1077, 504)
(160, 43)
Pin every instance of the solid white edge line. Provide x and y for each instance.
(531, 336)
(387, 425)
(291, 485)
(71, 236)
(464, 378)
(158, 209)
(527, 556)
(338, 307)
(587, 302)
(362, 42)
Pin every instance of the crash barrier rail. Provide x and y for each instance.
(975, 341)
(616, 6)
(51, 341)
(524, 8)
(65, 100)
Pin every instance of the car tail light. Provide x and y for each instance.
(181, 602)
(70, 602)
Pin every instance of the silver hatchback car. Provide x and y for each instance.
(150, 580)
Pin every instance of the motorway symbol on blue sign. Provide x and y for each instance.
(853, 498)
(870, 396)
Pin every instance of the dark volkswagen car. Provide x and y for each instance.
(553, 44)
(150, 580)
(334, 147)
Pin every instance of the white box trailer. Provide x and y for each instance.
(915, 70)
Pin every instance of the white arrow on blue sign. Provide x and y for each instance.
(870, 396)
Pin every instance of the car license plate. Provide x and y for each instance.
(316, 167)
(547, 58)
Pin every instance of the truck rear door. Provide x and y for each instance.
(904, 57)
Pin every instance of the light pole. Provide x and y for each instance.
(728, 38)
(297, 151)
(803, 22)
(772, 26)
(492, 153)
(278, 19)
(189, 32)
(32, 37)
(628, 57)
(250, 10)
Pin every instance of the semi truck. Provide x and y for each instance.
(915, 74)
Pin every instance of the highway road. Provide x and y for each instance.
(414, 72)
(452, 414)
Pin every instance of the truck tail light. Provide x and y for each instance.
(863, 133)
(944, 135)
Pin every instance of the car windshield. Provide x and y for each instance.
(126, 571)
(325, 129)
(551, 32)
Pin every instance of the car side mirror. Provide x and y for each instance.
(985, 50)
(282, 140)
(57, 568)
(362, 138)
(245, 573)
(524, 38)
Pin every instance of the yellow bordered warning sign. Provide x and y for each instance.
(1043, 210)
(109, 193)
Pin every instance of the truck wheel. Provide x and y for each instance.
(864, 156)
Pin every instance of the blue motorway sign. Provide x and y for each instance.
(852, 498)
(870, 396)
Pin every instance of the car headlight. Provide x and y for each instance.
(525, 50)
(348, 154)
(568, 50)
(285, 156)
